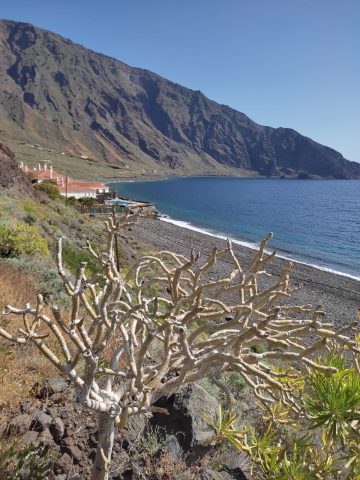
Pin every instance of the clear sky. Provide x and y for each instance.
(290, 63)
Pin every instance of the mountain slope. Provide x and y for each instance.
(57, 93)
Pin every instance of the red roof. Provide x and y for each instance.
(72, 185)
(78, 186)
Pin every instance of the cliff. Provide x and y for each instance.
(62, 95)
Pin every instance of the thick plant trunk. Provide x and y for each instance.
(101, 467)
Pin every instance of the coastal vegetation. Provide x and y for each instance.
(322, 443)
(125, 339)
(131, 339)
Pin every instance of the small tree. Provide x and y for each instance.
(167, 324)
(88, 202)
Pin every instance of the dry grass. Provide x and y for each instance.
(20, 367)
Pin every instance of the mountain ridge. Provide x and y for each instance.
(56, 92)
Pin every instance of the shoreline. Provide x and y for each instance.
(152, 178)
(339, 295)
(254, 246)
(318, 259)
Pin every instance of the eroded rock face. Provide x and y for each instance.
(11, 177)
(52, 89)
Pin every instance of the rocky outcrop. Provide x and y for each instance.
(70, 433)
(184, 429)
(55, 92)
(12, 180)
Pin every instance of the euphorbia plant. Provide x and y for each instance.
(115, 317)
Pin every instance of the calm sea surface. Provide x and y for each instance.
(313, 221)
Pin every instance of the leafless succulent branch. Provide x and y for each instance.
(191, 327)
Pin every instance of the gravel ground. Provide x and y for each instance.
(339, 295)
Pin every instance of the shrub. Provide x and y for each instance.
(20, 238)
(333, 401)
(153, 441)
(88, 201)
(74, 256)
(49, 188)
(71, 201)
(46, 277)
(321, 442)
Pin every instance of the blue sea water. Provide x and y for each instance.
(313, 221)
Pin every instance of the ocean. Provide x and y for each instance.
(316, 222)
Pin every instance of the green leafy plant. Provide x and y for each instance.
(236, 382)
(72, 201)
(74, 256)
(288, 448)
(225, 429)
(18, 238)
(333, 401)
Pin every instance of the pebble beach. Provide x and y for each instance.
(339, 295)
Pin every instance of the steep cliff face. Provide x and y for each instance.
(56, 92)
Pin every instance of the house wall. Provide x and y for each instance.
(79, 194)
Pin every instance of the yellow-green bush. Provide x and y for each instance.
(323, 442)
(49, 188)
(18, 238)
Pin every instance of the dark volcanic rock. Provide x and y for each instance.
(50, 386)
(12, 179)
(63, 464)
(185, 429)
(68, 446)
(57, 429)
(20, 424)
(133, 118)
(40, 421)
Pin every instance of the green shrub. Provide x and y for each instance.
(72, 202)
(323, 442)
(74, 256)
(236, 382)
(49, 188)
(20, 238)
(24, 463)
(333, 400)
(88, 201)
(47, 279)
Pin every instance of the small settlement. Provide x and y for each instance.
(105, 200)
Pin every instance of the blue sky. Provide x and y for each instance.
(290, 63)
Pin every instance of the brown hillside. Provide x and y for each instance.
(61, 95)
